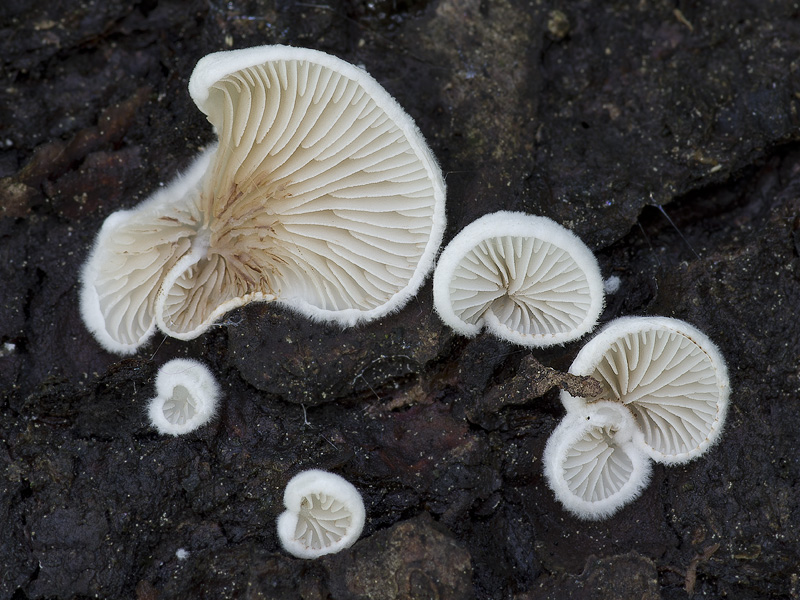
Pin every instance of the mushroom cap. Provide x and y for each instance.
(131, 255)
(324, 514)
(525, 278)
(323, 194)
(186, 397)
(591, 462)
(670, 376)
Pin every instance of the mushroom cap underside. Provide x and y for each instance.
(671, 377)
(591, 462)
(324, 514)
(186, 397)
(321, 194)
(525, 278)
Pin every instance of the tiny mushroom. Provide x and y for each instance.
(321, 194)
(525, 278)
(591, 463)
(324, 514)
(186, 397)
(669, 375)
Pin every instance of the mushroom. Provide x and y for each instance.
(525, 278)
(324, 514)
(186, 397)
(669, 375)
(321, 195)
(591, 462)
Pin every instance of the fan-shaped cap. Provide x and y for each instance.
(324, 514)
(321, 195)
(187, 396)
(591, 462)
(525, 278)
(670, 376)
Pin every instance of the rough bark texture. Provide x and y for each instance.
(663, 133)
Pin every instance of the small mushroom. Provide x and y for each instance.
(324, 514)
(591, 462)
(525, 278)
(186, 397)
(670, 376)
(321, 195)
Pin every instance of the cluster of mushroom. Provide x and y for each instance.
(665, 398)
(665, 384)
(322, 195)
(324, 512)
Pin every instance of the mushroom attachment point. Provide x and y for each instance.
(321, 194)
(324, 514)
(525, 278)
(669, 375)
(591, 462)
(187, 397)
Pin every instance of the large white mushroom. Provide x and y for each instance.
(525, 278)
(591, 462)
(321, 195)
(670, 376)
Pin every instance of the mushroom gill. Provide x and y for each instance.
(324, 514)
(670, 376)
(525, 278)
(186, 397)
(591, 462)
